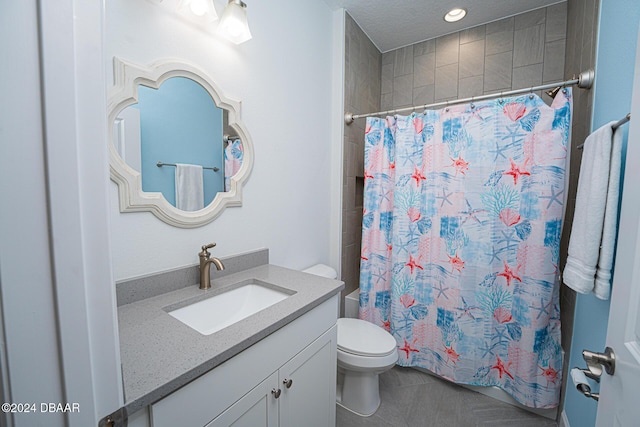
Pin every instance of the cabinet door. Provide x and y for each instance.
(311, 399)
(258, 408)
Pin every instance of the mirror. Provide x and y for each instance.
(178, 148)
(178, 123)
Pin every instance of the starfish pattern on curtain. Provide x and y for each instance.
(462, 218)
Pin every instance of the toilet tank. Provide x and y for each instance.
(351, 301)
(322, 271)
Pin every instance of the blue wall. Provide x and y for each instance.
(179, 123)
(616, 51)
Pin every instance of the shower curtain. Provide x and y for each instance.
(462, 218)
(233, 155)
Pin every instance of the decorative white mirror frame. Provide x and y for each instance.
(127, 77)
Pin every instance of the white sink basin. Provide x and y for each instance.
(218, 312)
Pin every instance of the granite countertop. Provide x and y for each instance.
(159, 354)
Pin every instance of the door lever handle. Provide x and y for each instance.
(596, 361)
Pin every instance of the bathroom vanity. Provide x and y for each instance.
(276, 367)
(262, 349)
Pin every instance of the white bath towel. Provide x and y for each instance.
(602, 287)
(591, 201)
(189, 187)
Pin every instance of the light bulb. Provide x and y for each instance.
(198, 7)
(233, 24)
(455, 14)
(234, 27)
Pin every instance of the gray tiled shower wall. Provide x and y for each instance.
(363, 65)
(521, 51)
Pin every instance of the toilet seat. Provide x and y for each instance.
(361, 338)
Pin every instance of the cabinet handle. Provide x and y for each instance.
(276, 393)
(287, 382)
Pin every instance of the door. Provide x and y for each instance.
(308, 383)
(620, 392)
(258, 408)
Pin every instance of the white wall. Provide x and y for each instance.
(284, 78)
(57, 299)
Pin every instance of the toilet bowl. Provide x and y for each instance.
(364, 352)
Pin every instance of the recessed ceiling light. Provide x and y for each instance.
(455, 14)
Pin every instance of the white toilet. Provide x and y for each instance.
(364, 352)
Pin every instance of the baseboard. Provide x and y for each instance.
(564, 421)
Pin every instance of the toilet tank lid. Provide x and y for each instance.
(322, 270)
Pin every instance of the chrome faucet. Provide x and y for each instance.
(205, 266)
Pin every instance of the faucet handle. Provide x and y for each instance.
(205, 252)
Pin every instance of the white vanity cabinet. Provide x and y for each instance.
(250, 389)
(258, 408)
(301, 393)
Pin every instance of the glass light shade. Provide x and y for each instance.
(455, 14)
(198, 7)
(233, 24)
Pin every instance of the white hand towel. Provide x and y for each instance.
(586, 232)
(189, 187)
(609, 231)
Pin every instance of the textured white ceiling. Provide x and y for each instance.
(391, 24)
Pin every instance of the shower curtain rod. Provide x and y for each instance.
(584, 81)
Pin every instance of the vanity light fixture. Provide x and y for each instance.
(233, 24)
(455, 14)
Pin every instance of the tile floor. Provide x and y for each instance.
(414, 399)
